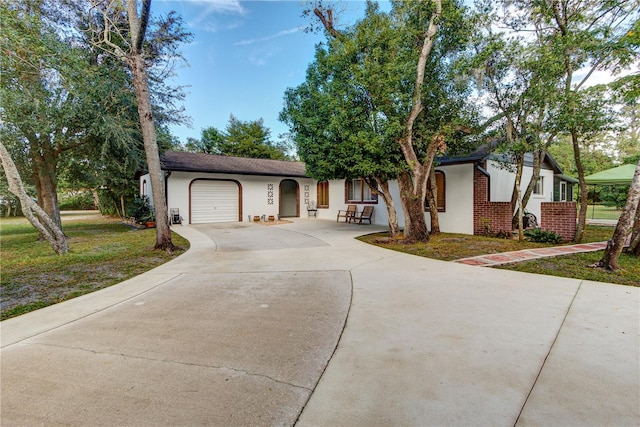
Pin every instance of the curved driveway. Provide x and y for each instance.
(239, 330)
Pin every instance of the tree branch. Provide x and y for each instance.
(144, 21)
(327, 22)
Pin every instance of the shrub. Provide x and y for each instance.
(142, 210)
(77, 201)
(539, 235)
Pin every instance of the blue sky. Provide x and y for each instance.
(243, 57)
(245, 54)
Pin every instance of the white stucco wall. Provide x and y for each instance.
(457, 218)
(260, 195)
(256, 192)
(145, 187)
(502, 181)
(458, 214)
(337, 202)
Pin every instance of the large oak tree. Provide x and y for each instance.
(399, 63)
(127, 30)
(584, 37)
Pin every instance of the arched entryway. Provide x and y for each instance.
(289, 198)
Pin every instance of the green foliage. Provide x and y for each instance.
(240, 139)
(69, 114)
(614, 196)
(77, 200)
(348, 116)
(594, 158)
(539, 235)
(142, 210)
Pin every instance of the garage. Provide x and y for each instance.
(214, 201)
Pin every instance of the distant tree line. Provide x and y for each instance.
(242, 139)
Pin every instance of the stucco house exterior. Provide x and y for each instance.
(474, 191)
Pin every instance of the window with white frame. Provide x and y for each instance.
(563, 191)
(539, 188)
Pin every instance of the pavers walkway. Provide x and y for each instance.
(490, 260)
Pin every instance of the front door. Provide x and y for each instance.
(289, 197)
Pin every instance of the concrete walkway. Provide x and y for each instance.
(302, 324)
(489, 260)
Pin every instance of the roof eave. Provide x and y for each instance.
(229, 172)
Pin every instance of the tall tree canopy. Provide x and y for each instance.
(54, 99)
(240, 139)
(584, 37)
(68, 109)
(517, 82)
(129, 32)
(382, 91)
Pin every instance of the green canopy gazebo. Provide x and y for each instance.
(621, 175)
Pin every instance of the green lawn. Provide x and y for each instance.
(448, 247)
(603, 212)
(103, 252)
(577, 267)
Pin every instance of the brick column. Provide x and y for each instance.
(559, 217)
(488, 217)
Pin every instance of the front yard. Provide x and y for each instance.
(103, 252)
(449, 247)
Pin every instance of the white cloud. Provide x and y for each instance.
(216, 6)
(232, 7)
(208, 16)
(270, 37)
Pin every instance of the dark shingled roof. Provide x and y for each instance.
(199, 162)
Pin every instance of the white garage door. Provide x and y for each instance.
(214, 201)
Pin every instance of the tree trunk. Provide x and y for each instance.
(415, 225)
(122, 206)
(414, 196)
(138, 28)
(432, 199)
(516, 194)
(141, 83)
(520, 215)
(382, 186)
(404, 181)
(582, 213)
(615, 245)
(538, 158)
(44, 163)
(45, 225)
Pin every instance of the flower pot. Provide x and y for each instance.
(272, 218)
(150, 224)
(256, 218)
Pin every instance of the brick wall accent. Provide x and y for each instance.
(491, 217)
(488, 216)
(559, 217)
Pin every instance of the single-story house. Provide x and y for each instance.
(472, 190)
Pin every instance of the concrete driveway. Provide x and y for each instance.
(300, 323)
